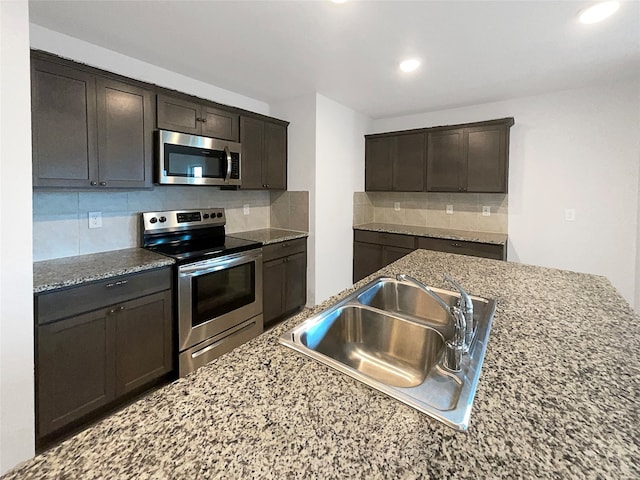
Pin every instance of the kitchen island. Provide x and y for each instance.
(557, 398)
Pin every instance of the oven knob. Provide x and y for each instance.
(153, 220)
(219, 214)
(163, 219)
(205, 216)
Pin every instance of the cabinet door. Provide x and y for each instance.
(63, 116)
(391, 254)
(445, 161)
(74, 369)
(296, 281)
(378, 164)
(409, 163)
(274, 169)
(143, 341)
(486, 159)
(252, 141)
(367, 258)
(178, 115)
(220, 124)
(273, 278)
(125, 129)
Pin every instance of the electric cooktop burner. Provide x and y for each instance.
(191, 235)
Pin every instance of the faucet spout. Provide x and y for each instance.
(456, 345)
(466, 306)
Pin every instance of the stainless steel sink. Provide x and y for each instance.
(390, 335)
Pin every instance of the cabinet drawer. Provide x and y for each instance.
(381, 238)
(475, 249)
(84, 298)
(283, 249)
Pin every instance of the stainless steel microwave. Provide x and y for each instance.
(184, 159)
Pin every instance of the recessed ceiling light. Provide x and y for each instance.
(599, 12)
(409, 65)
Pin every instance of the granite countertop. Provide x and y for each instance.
(68, 271)
(445, 233)
(270, 235)
(557, 398)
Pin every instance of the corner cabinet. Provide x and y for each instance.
(471, 158)
(97, 344)
(184, 115)
(89, 130)
(284, 279)
(264, 153)
(396, 162)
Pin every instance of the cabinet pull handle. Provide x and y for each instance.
(94, 183)
(456, 244)
(285, 245)
(120, 309)
(103, 184)
(203, 120)
(117, 284)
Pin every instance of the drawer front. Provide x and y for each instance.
(382, 238)
(84, 298)
(475, 249)
(283, 249)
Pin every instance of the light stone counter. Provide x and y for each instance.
(267, 236)
(557, 398)
(69, 271)
(444, 233)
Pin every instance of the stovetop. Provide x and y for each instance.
(191, 235)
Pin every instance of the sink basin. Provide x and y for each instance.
(385, 348)
(391, 336)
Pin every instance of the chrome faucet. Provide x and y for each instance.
(455, 346)
(466, 305)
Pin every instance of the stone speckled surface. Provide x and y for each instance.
(557, 398)
(444, 233)
(65, 272)
(269, 235)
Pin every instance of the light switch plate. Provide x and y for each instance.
(486, 211)
(570, 214)
(396, 206)
(246, 209)
(95, 219)
(449, 210)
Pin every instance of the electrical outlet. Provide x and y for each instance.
(95, 219)
(570, 214)
(246, 209)
(396, 206)
(449, 210)
(486, 211)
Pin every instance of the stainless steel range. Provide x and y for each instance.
(218, 282)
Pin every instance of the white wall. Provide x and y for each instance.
(638, 249)
(301, 167)
(571, 149)
(16, 282)
(339, 173)
(81, 51)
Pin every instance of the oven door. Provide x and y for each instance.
(217, 295)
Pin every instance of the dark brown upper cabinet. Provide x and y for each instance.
(89, 131)
(395, 162)
(183, 115)
(264, 154)
(472, 159)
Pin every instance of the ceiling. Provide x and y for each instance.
(472, 51)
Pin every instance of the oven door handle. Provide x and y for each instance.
(229, 165)
(213, 265)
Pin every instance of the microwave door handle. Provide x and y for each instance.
(228, 153)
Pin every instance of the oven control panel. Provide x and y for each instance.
(179, 219)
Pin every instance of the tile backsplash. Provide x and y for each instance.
(61, 224)
(429, 210)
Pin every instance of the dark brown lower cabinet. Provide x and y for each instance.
(284, 279)
(89, 361)
(375, 250)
